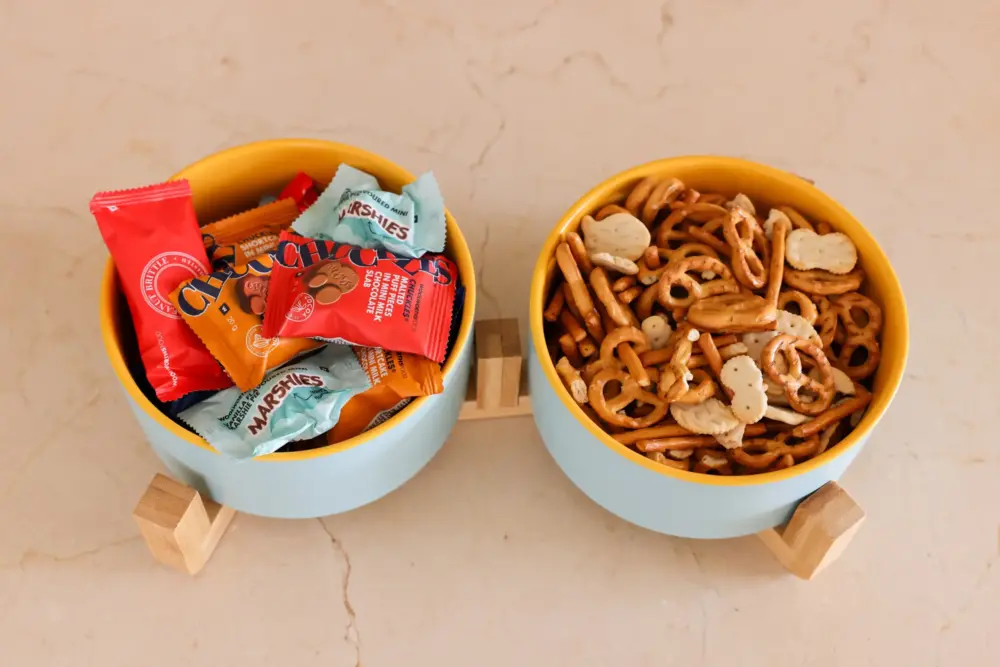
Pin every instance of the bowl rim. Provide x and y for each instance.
(597, 195)
(463, 258)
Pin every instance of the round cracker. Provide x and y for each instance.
(833, 252)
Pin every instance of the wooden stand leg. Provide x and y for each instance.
(180, 528)
(497, 387)
(820, 529)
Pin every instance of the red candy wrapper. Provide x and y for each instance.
(345, 294)
(302, 190)
(153, 236)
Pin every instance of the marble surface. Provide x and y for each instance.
(490, 556)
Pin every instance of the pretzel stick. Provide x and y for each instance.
(587, 347)
(707, 345)
(610, 209)
(592, 322)
(675, 430)
(579, 251)
(652, 257)
(683, 464)
(837, 412)
(796, 218)
(571, 378)
(569, 349)
(634, 366)
(676, 442)
(623, 284)
(555, 306)
(618, 340)
(644, 304)
(631, 294)
(622, 316)
(572, 326)
(777, 262)
(723, 340)
(571, 272)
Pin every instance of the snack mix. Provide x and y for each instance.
(711, 338)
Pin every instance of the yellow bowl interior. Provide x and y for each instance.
(232, 181)
(766, 187)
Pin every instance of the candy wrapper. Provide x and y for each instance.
(345, 294)
(295, 402)
(354, 210)
(240, 238)
(225, 310)
(302, 190)
(397, 379)
(152, 234)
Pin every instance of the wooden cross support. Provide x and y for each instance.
(182, 529)
(820, 529)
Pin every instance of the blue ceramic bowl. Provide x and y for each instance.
(684, 503)
(320, 481)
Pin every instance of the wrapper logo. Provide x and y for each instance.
(258, 344)
(162, 274)
(302, 309)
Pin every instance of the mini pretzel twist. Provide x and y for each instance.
(738, 229)
(794, 380)
(609, 210)
(631, 389)
(676, 274)
(651, 196)
(806, 309)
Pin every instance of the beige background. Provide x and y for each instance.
(490, 556)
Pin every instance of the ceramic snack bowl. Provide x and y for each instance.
(689, 504)
(316, 482)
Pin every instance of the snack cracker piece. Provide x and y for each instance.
(295, 402)
(345, 294)
(152, 234)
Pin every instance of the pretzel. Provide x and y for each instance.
(670, 463)
(673, 390)
(592, 368)
(711, 352)
(709, 461)
(826, 437)
(677, 275)
(570, 350)
(644, 304)
(826, 322)
(667, 234)
(651, 257)
(555, 307)
(846, 304)
(777, 270)
(595, 395)
(772, 449)
(843, 409)
(786, 461)
(867, 366)
(794, 380)
(579, 250)
(676, 442)
(621, 315)
(823, 227)
(806, 308)
(571, 378)
(618, 341)
(610, 209)
(798, 222)
(824, 283)
(704, 390)
(738, 229)
(733, 313)
(702, 211)
(587, 347)
(630, 295)
(651, 196)
(623, 284)
(712, 198)
(673, 431)
(706, 234)
(572, 326)
(578, 292)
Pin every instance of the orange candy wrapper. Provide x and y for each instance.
(239, 238)
(225, 309)
(396, 377)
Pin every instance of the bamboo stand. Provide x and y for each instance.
(182, 530)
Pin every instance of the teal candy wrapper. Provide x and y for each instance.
(294, 402)
(354, 210)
